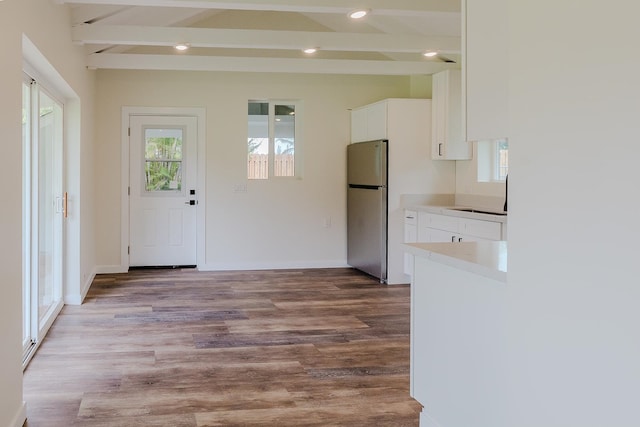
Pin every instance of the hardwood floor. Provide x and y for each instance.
(325, 347)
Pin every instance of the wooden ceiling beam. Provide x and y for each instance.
(260, 39)
(249, 64)
(378, 7)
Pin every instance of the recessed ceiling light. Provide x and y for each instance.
(182, 46)
(430, 54)
(359, 14)
(310, 50)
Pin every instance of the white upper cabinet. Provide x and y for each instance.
(377, 120)
(369, 123)
(359, 128)
(448, 136)
(485, 68)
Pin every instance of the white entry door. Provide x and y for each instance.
(163, 194)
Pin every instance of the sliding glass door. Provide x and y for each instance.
(44, 207)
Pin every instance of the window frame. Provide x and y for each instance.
(271, 124)
(488, 160)
(183, 161)
(34, 322)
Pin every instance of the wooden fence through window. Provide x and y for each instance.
(258, 165)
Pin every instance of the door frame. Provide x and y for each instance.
(200, 114)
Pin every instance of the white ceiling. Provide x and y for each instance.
(269, 35)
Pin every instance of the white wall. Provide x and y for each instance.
(11, 214)
(573, 215)
(276, 223)
(47, 25)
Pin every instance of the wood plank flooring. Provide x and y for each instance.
(182, 348)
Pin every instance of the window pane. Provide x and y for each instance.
(26, 237)
(258, 140)
(163, 176)
(284, 140)
(493, 160)
(49, 138)
(502, 150)
(163, 159)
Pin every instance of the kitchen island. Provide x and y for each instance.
(458, 330)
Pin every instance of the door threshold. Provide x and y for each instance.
(161, 267)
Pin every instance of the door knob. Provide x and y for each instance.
(191, 202)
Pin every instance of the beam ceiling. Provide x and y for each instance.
(261, 39)
(267, 65)
(380, 7)
(269, 35)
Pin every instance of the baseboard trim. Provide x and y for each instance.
(229, 266)
(21, 416)
(272, 265)
(77, 299)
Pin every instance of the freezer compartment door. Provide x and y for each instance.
(367, 163)
(367, 231)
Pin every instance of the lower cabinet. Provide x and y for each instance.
(426, 227)
(444, 228)
(410, 236)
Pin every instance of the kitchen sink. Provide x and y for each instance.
(478, 211)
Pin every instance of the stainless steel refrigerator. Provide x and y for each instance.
(367, 207)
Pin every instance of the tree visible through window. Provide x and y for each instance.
(163, 159)
(271, 141)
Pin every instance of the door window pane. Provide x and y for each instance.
(163, 159)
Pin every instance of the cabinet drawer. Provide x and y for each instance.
(484, 229)
(410, 217)
(441, 222)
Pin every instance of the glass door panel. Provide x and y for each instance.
(49, 206)
(42, 228)
(27, 336)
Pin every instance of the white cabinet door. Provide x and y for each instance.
(359, 125)
(486, 230)
(434, 235)
(410, 236)
(485, 67)
(467, 238)
(369, 123)
(442, 222)
(445, 228)
(448, 136)
(377, 121)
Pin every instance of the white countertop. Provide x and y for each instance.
(453, 211)
(486, 258)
